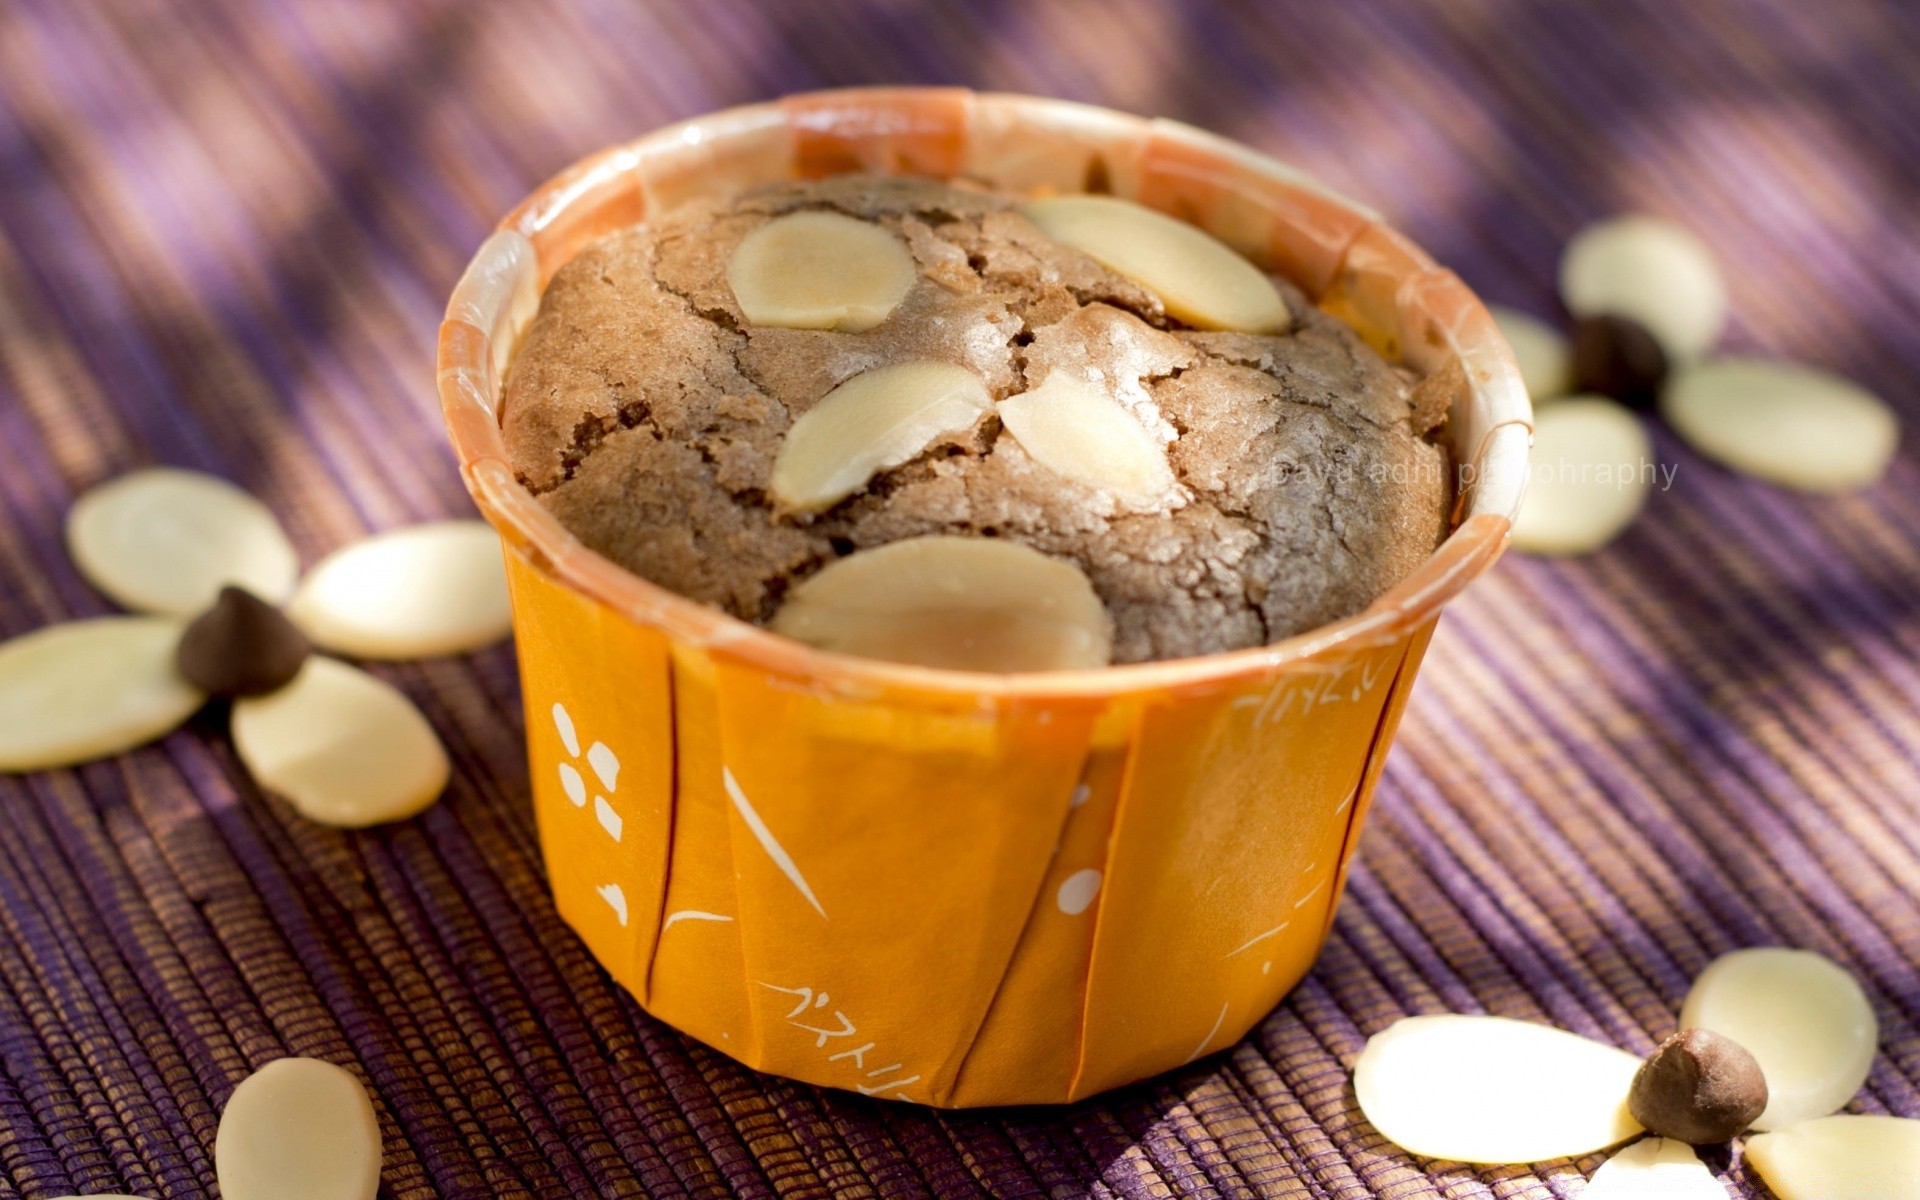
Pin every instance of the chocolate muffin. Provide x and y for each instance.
(737, 395)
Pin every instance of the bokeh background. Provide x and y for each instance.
(226, 234)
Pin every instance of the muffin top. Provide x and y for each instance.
(1218, 489)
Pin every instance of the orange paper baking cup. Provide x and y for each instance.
(942, 886)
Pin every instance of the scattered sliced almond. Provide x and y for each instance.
(87, 689)
(422, 590)
(1075, 428)
(342, 747)
(1543, 352)
(162, 540)
(820, 270)
(1656, 1169)
(1651, 270)
(1491, 1090)
(1801, 1016)
(1840, 1158)
(298, 1129)
(1592, 469)
(1794, 425)
(1199, 278)
(972, 604)
(872, 423)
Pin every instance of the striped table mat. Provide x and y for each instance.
(226, 232)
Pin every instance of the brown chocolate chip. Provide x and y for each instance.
(1617, 357)
(1698, 1087)
(242, 646)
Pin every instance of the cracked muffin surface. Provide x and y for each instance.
(646, 413)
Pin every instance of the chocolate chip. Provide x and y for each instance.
(1618, 357)
(1698, 1087)
(242, 646)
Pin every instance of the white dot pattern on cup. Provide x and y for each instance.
(616, 899)
(1077, 892)
(605, 765)
(608, 818)
(571, 783)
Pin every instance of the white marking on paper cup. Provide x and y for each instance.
(604, 765)
(1077, 891)
(1208, 1040)
(574, 786)
(768, 842)
(691, 914)
(608, 818)
(563, 723)
(616, 898)
(1255, 940)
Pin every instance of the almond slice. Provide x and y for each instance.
(1790, 424)
(421, 590)
(298, 1129)
(1652, 270)
(871, 423)
(1542, 352)
(1801, 1016)
(1074, 428)
(1842, 1156)
(163, 540)
(87, 689)
(1492, 1090)
(1656, 1169)
(1590, 473)
(1198, 277)
(820, 270)
(344, 748)
(971, 604)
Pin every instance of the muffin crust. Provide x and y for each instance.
(646, 412)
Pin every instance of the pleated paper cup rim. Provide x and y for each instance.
(1352, 264)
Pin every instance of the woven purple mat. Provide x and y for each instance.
(226, 233)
